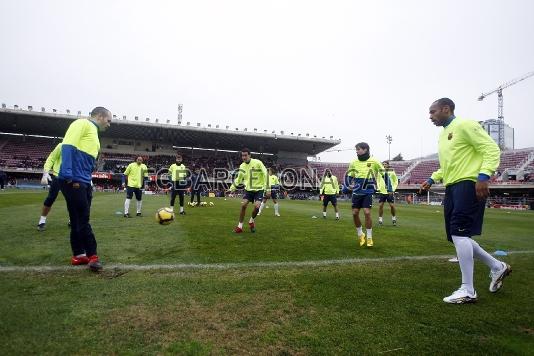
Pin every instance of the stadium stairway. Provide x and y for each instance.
(2, 144)
(527, 162)
(407, 173)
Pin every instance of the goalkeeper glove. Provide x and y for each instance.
(46, 178)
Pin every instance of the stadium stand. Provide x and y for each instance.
(421, 172)
(25, 152)
(28, 152)
(513, 158)
(26, 139)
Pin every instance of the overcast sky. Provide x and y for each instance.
(354, 70)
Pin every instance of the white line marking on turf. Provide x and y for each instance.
(227, 266)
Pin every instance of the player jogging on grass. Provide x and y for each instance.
(275, 190)
(253, 175)
(468, 157)
(388, 193)
(364, 178)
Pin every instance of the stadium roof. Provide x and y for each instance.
(55, 124)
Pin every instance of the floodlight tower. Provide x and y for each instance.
(180, 108)
(389, 139)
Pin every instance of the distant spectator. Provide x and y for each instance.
(3, 179)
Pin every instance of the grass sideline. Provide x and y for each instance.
(372, 307)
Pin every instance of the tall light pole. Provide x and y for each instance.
(389, 139)
(180, 108)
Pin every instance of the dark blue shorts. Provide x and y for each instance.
(131, 191)
(274, 193)
(253, 196)
(362, 201)
(332, 198)
(464, 213)
(52, 193)
(386, 198)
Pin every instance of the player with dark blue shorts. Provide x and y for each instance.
(137, 174)
(364, 177)
(253, 175)
(51, 169)
(388, 194)
(178, 173)
(329, 191)
(196, 186)
(275, 190)
(468, 156)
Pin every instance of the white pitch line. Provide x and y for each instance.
(228, 266)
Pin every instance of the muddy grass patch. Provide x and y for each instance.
(241, 323)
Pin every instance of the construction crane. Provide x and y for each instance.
(500, 115)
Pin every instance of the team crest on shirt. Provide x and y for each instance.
(450, 136)
(368, 164)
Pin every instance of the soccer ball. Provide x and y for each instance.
(164, 216)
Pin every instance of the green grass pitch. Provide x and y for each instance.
(232, 298)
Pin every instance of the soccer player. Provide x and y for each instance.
(137, 173)
(178, 174)
(195, 185)
(387, 195)
(254, 176)
(51, 169)
(467, 158)
(329, 191)
(78, 155)
(364, 177)
(275, 188)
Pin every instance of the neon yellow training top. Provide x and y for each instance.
(466, 152)
(391, 181)
(136, 174)
(253, 175)
(79, 150)
(53, 162)
(178, 172)
(273, 180)
(329, 185)
(366, 176)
